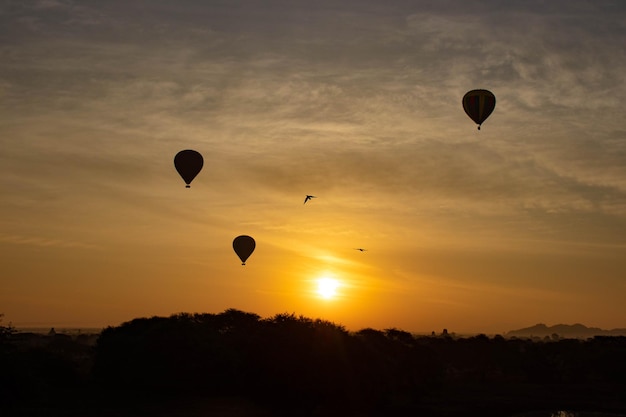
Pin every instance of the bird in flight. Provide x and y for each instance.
(360, 249)
(307, 198)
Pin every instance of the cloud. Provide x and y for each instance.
(44, 242)
(356, 102)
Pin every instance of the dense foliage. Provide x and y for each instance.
(294, 364)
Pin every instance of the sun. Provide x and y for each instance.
(327, 287)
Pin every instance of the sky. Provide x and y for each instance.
(355, 102)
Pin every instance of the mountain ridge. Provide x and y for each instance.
(576, 330)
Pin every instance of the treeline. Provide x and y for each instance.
(292, 364)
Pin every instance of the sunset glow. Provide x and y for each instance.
(327, 288)
(416, 219)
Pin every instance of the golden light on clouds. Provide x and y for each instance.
(464, 229)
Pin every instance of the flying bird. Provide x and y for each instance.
(360, 249)
(307, 198)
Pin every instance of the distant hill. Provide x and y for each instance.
(577, 331)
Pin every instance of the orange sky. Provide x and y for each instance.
(521, 222)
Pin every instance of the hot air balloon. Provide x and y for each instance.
(188, 163)
(478, 104)
(244, 246)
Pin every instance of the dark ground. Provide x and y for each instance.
(236, 364)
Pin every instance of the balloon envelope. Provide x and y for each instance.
(244, 246)
(188, 163)
(478, 104)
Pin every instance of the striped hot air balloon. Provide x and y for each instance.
(478, 104)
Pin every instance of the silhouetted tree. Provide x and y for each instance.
(296, 365)
(5, 332)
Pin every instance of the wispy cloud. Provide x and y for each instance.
(44, 242)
